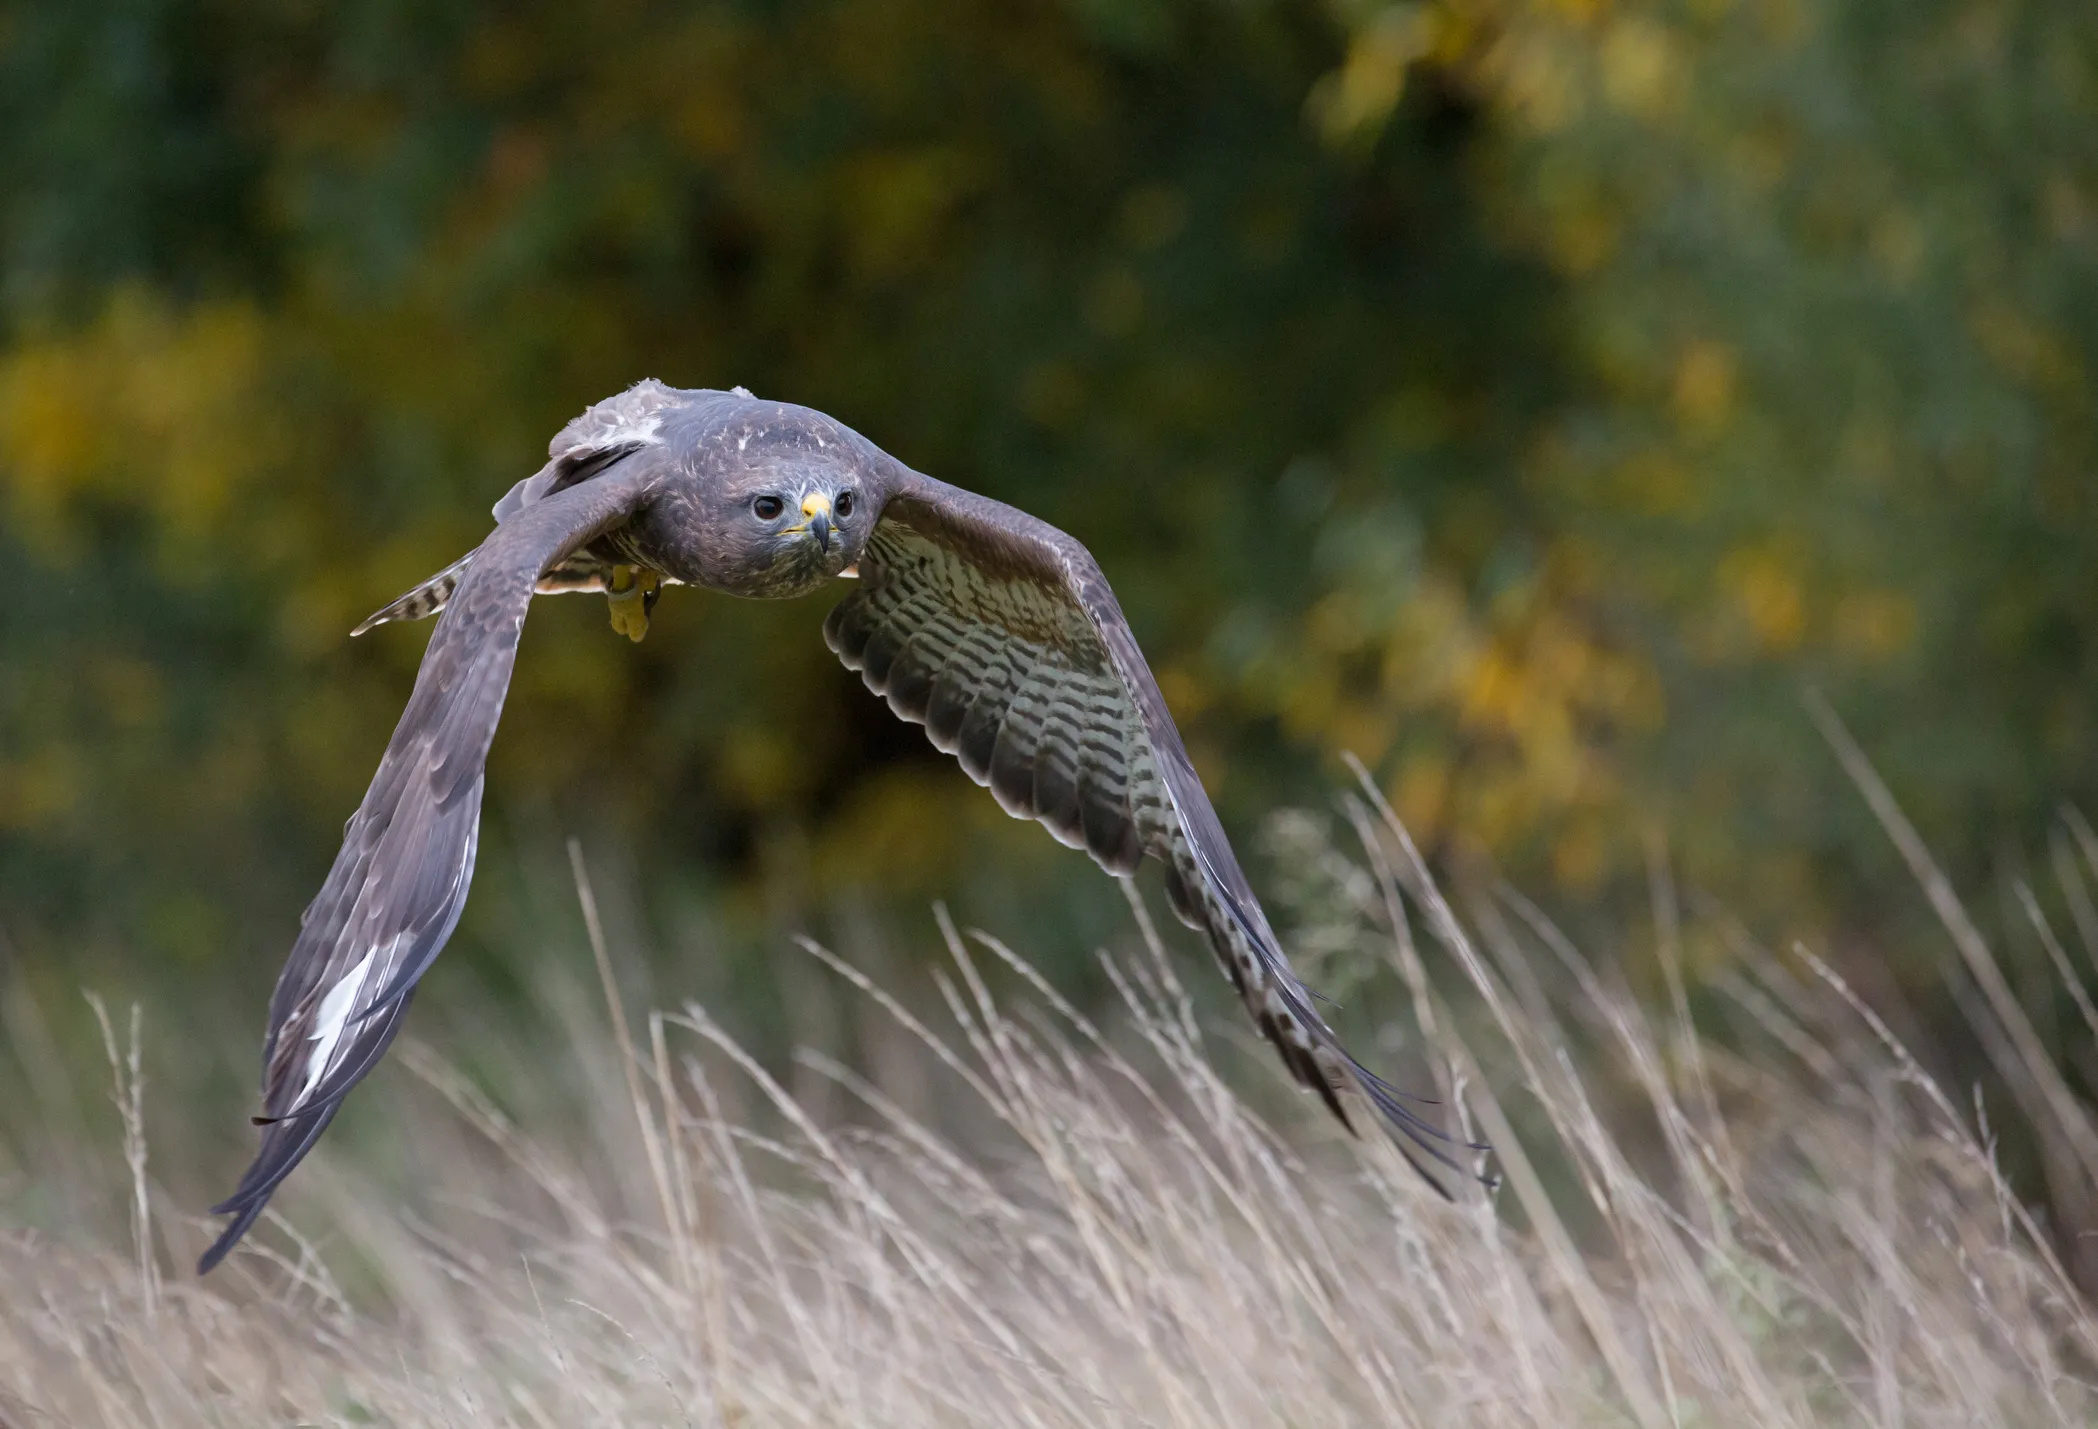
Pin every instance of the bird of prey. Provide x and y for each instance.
(992, 629)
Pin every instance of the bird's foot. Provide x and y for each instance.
(632, 593)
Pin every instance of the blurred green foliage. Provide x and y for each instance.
(1526, 395)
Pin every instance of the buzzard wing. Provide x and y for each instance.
(395, 892)
(998, 633)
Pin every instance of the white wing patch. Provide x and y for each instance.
(329, 1021)
(642, 430)
(634, 416)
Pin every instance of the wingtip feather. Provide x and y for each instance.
(228, 1238)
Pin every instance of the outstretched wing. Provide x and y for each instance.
(394, 894)
(999, 634)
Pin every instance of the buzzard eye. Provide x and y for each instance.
(843, 505)
(768, 507)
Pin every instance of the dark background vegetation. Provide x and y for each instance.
(1531, 397)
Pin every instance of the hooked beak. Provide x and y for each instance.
(816, 507)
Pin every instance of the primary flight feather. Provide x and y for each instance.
(995, 631)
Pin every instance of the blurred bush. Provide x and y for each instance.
(1528, 396)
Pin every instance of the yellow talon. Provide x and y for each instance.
(631, 592)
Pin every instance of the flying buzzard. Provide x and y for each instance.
(993, 630)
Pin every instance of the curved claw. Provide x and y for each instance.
(632, 595)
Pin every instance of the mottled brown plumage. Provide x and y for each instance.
(995, 631)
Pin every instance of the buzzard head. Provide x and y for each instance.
(776, 506)
(785, 532)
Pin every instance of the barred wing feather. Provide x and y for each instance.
(998, 633)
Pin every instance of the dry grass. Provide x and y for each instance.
(1805, 1230)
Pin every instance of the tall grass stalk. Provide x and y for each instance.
(1085, 1224)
